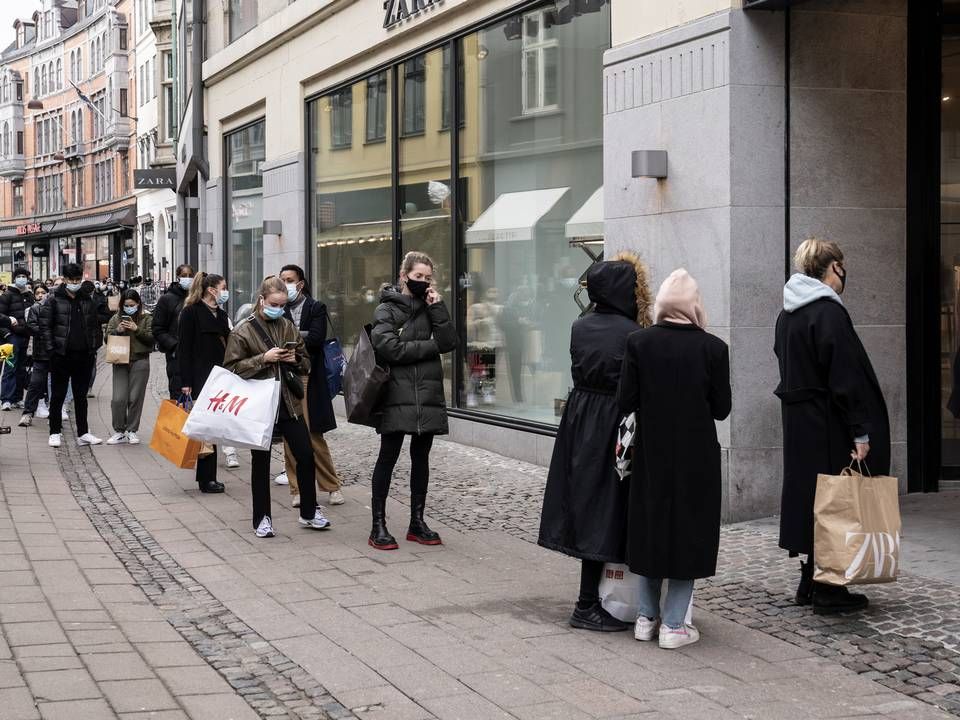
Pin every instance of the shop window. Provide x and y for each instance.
(376, 109)
(414, 95)
(539, 69)
(243, 17)
(341, 120)
(245, 153)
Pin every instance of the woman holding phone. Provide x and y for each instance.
(130, 380)
(262, 347)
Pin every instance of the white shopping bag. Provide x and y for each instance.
(232, 411)
(620, 593)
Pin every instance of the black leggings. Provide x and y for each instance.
(390, 446)
(591, 571)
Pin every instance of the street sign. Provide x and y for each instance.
(155, 178)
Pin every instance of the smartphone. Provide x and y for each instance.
(290, 346)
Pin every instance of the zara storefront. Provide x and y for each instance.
(472, 131)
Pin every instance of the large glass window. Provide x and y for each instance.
(243, 17)
(245, 153)
(350, 211)
(376, 109)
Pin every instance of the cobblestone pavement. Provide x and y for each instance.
(126, 593)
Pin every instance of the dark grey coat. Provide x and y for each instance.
(409, 337)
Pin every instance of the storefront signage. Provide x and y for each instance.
(150, 179)
(398, 11)
(39, 250)
(28, 229)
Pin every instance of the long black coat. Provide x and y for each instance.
(409, 336)
(585, 502)
(14, 304)
(166, 318)
(313, 329)
(201, 344)
(55, 319)
(829, 395)
(677, 379)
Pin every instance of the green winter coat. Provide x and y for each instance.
(141, 340)
(409, 337)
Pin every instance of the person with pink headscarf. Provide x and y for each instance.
(676, 378)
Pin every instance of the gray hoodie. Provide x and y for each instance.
(801, 290)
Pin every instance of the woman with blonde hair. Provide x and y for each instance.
(676, 378)
(832, 406)
(411, 330)
(268, 345)
(585, 503)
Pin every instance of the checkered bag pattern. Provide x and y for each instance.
(625, 436)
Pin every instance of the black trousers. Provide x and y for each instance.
(37, 389)
(74, 368)
(295, 432)
(390, 446)
(207, 467)
(173, 377)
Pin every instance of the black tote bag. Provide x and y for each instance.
(363, 382)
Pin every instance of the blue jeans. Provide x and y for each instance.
(675, 606)
(15, 378)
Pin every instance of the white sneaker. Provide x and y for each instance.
(265, 528)
(88, 439)
(6, 406)
(231, 455)
(336, 498)
(132, 438)
(281, 479)
(55, 440)
(671, 639)
(26, 420)
(646, 630)
(296, 501)
(318, 522)
(117, 438)
(43, 411)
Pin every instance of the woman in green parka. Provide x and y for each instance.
(130, 380)
(411, 330)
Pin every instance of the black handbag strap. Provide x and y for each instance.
(267, 340)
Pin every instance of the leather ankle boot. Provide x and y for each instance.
(833, 599)
(380, 537)
(419, 532)
(805, 588)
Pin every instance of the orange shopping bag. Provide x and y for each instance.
(168, 438)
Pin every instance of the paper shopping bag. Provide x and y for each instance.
(118, 349)
(856, 532)
(113, 303)
(234, 412)
(168, 438)
(620, 593)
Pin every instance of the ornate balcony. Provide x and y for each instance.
(12, 167)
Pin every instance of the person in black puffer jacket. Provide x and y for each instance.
(37, 388)
(14, 303)
(166, 325)
(411, 330)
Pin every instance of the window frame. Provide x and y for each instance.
(537, 48)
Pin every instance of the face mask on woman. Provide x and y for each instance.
(20, 281)
(292, 292)
(272, 313)
(418, 288)
(223, 297)
(131, 309)
(73, 287)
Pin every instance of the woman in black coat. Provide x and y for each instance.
(202, 340)
(411, 330)
(832, 406)
(676, 377)
(585, 502)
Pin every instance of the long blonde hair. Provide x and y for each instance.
(201, 283)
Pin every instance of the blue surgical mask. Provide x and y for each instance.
(272, 313)
(20, 281)
(73, 287)
(292, 292)
(185, 283)
(224, 297)
(131, 310)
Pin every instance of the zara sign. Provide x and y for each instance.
(158, 178)
(398, 11)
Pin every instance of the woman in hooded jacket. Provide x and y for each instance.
(411, 330)
(584, 511)
(676, 378)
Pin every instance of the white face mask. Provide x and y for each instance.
(185, 283)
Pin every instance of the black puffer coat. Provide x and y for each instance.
(166, 318)
(55, 320)
(33, 321)
(409, 336)
(14, 304)
(585, 502)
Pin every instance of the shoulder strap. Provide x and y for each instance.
(261, 331)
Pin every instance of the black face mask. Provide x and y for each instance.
(843, 280)
(418, 288)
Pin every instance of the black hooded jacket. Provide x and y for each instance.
(55, 319)
(409, 336)
(166, 318)
(14, 304)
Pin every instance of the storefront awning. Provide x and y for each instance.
(514, 216)
(96, 223)
(587, 222)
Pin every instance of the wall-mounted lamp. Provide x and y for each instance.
(649, 163)
(272, 227)
(205, 238)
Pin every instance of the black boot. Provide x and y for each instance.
(833, 599)
(418, 531)
(805, 588)
(380, 537)
(594, 617)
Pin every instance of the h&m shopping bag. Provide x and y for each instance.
(363, 382)
(856, 532)
(168, 438)
(620, 593)
(234, 412)
(118, 349)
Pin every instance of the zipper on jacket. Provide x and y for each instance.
(416, 394)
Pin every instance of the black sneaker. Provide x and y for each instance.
(597, 619)
(834, 599)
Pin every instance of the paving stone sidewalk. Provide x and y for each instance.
(126, 593)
